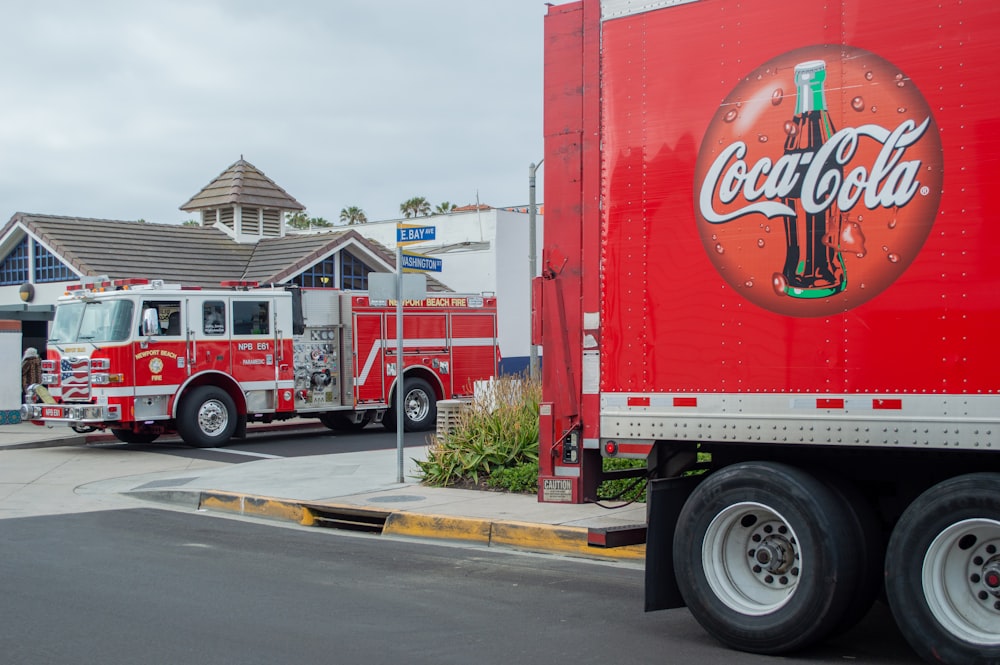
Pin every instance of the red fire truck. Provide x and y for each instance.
(142, 358)
(770, 269)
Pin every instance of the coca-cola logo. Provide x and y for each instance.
(818, 180)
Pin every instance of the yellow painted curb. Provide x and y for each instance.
(560, 539)
(437, 526)
(256, 506)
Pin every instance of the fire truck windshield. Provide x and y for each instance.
(92, 321)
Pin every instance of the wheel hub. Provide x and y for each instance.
(212, 417)
(985, 574)
(772, 556)
(961, 580)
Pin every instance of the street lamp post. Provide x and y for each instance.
(532, 262)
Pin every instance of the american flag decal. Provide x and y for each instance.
(75, 377)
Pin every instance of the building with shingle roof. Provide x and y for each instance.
(241, 235)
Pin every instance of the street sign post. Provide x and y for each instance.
(407, 234)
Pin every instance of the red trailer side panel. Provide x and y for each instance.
(696, 295)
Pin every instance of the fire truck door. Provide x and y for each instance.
(210, 322)
(252, 345)
(161, 363)
(368, 348)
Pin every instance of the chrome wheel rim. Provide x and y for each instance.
(961, 580)
(213, 417)
(751, 558)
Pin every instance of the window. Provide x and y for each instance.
(319, 274)
(251, 317)
(213, 315)
(95, 321)
(48, 268)
(354, 273)
(169, 314)
(14, 268)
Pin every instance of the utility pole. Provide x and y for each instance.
(532, 262)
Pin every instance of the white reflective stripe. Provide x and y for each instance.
(125, 392)
(372, 355)
(438, 342)
(566, 471)
(258, 385)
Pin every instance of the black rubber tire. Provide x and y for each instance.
(959, 520)
(870, 553)
(207, 417)
(128, 436)
(342, 422)
(419, 408)
(726, 524)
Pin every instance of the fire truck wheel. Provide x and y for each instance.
(942, 571)
(764, 555)
(128, 436)
(419, 408)
(207, 417)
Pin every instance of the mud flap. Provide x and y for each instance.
(664, 500)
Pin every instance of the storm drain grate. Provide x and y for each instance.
(349, 519)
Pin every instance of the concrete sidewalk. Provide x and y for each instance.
(359, 491)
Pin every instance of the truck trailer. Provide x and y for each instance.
(770, 270)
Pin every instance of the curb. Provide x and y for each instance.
(543, 538)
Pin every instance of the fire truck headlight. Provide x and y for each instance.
(100, 379)
(50, 379)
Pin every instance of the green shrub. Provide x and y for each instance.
(520, 478)
(500, 432)
(622, 489)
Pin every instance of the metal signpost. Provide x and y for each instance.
(406, 234)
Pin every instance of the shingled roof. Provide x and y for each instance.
(191, 255)
(242, 184)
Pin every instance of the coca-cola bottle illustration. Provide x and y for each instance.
(813, 266)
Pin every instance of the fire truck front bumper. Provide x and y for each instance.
(89, 414)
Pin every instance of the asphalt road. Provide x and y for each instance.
(158, 586)
(285, 443)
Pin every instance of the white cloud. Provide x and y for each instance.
(124, 110)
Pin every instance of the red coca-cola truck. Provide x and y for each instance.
(770, 269)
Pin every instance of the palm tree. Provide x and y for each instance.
(302, 220)
(353, 215)
(417, 206)
(444, 208)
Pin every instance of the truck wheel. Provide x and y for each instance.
(128, 436)
(869, 555)
(764, 557)
(207, 417)
(419, 408)
(942, 571)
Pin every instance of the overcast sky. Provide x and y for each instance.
(124, 110)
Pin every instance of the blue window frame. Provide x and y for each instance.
(353, 272)
(320, 274)
(48, 267)
(14, 267)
